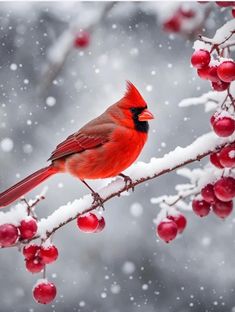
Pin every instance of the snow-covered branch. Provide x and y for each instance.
(139, 173)
(224, 35)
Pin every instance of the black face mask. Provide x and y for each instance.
(141, 126)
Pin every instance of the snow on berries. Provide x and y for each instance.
(216, 197)
(210, 66)
(167, 230)
(90, 223)
(227, 156)
(28, 228)
(173, 224)
(29, 251)
(44, 292)
(223, 126)
(200, 59)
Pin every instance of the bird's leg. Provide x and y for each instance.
(128, 181)
(96, 197)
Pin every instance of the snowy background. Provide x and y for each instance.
(125, 268)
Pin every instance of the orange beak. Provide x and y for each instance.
(145, 115)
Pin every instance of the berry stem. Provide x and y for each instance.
(44, 272)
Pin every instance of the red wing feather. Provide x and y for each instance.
(77, 143)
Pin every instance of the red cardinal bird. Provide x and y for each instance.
(103, 148)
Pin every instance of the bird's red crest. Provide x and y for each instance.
(133, 97)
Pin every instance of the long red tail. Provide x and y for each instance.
(26, 185)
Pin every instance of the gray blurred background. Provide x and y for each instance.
(125, 268)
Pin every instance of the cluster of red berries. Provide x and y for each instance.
(220, 76)
(36, 257)
(170, 226)
(174, 23)
(82, 39)
(10, 234)
(218, 196)
(90, 223)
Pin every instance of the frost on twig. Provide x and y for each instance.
(212, 100)
(223, 37)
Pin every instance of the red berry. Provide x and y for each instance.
(208, 73)
(225, 3)
(222, 209)
(186, 13)
(45, 292)
(167, 230)
(28, 228)
(214, 159)
(227, 156)
(48, 254)
(233, 12)
(82, 39)
(201, 207)
(220, 86)
(212, 119)
(88, 223)
(8, 235)
(173, 24)
(208, 193)
(34, 265)
(101, 225)
(224, 126)
(30, 251)
(200, 59)
(226, 71)
(225, 189)
(180, 221)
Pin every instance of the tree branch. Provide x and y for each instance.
(139, 173)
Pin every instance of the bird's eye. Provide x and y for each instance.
(133, 109)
